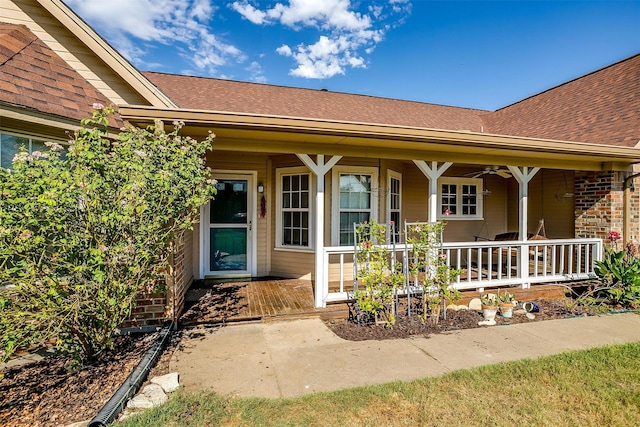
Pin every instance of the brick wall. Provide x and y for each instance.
(154, 309)
(599, 206)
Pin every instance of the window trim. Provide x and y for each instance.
(459, 182)
(335, 196)
(299, 170)
(31, 139)
(391, 174)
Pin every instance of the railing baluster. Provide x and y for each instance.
(341, 272)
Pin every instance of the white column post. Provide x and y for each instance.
(320, 169)
(523, 175)
(432, 172)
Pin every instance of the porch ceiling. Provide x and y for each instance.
(276, 134)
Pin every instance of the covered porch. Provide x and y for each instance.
(435, 172)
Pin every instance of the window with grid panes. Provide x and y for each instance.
(295, 209)
(460, 198)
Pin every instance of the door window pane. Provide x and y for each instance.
(229, 205)
(228, 249)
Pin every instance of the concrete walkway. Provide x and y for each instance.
(292, 358)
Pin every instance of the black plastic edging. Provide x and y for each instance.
(130, 386)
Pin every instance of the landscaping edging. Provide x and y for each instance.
(130, 386)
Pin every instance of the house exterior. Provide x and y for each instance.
(296, 168)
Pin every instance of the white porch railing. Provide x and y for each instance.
(484, 264)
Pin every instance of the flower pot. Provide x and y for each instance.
(489, 312)
(506, 310)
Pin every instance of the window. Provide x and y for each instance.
(394, 201)
(460, 198)
(294, 199)
(10, 146)
(353, 200)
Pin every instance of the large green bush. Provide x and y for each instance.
(82, 234)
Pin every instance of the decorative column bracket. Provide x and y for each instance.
(432, 171)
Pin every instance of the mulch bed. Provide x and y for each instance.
(406, 326)
(46, 393)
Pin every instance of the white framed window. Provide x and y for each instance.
(294, 214)
(10, 144)
(353, 200)
(394, 201)
(460, 198)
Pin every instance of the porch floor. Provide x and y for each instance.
(211, 301)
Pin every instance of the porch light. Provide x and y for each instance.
(260, 188)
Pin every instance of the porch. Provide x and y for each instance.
(216, 302)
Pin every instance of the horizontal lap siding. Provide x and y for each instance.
(69, 48)
(546, 202)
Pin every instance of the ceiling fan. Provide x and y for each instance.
(491, 170)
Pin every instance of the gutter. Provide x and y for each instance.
(130, 386)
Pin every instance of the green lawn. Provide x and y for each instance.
(599, 387)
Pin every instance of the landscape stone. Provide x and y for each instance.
(79, 424)
(151, 395)
(168, 382)
(487, 322)
(475, 304)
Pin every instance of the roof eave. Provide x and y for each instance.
(403, 137)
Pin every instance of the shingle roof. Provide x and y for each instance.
(240, 97)
(602, 107)
(33, 76)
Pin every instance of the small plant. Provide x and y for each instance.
(429, 268)
(619, 272)
(505, 297)
(489, 300)
(378, 274)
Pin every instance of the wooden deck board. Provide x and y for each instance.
(241, 301)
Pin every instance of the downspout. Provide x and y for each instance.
(626, 200)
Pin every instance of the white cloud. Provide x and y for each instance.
(249, 12)
(343, 32)
(160, 21)
(256, 72)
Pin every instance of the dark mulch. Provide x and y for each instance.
(406, 326)
(47, 393)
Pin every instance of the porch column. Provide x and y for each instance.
(523, 174)
(319, 169)
(432, 171)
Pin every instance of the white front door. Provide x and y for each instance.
(228, 220)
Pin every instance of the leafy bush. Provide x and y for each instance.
(619, 272)
(82, 235)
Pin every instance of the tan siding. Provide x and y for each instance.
(545, 202)
(415, 197)
(292, 264)
(69, 48)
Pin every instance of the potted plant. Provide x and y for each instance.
(506, 303)
(489, 306)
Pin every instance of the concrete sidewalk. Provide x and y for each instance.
(291, 358)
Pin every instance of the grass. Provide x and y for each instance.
(595, 387)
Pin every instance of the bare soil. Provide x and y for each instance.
(46, 393)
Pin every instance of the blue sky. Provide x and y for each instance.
(474, 54)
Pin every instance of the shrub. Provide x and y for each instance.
(82, 235)
(619, 272)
